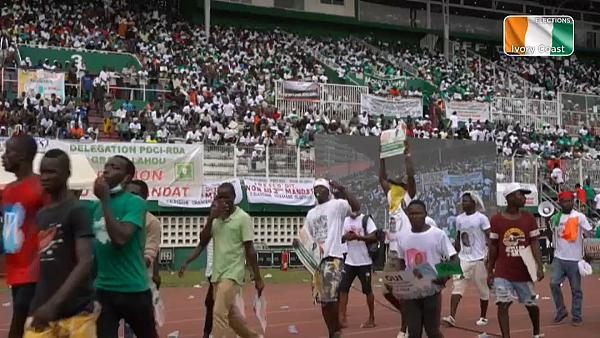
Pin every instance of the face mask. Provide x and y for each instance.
(116, 189)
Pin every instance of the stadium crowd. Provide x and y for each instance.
(220, 90)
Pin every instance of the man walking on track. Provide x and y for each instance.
(21, 200)
(325, 224)
(209, 302)
(513, 243)
(419, 251)
(359, 230)
(122, 279)
(568, 229)
(472, 233)
(232, 233)
(63, 304)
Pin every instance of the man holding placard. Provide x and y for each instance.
(568, 228)
(420, 251)
(515, 259)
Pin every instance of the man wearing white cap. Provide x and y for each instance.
(472, 233)
(325, 224)
(512, 233)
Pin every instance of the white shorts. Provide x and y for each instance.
(476, 272)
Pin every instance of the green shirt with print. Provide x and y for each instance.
(228, 236)
(120, 269)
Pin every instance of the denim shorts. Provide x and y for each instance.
(506, 291)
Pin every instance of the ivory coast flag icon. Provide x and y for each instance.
(538, 35)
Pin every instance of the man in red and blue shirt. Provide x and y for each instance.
(21, 200)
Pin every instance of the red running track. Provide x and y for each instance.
(290, 304)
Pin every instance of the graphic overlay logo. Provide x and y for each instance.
(539, 35)
(184, 171)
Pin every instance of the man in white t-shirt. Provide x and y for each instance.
(325, 223)
(358, 263)
(420, 250)
(454, 122)
(557, 176)
(568, 229)
(472, 233)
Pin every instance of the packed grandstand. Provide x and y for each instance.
(223, 90)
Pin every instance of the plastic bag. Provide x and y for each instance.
(260, 309)
(585, 269)
(159, 306)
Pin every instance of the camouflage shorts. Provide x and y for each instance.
(328, 279)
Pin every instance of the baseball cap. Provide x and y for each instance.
(514, 187)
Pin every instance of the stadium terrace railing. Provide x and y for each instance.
(579, 110)
(526, 111)
(284, 161)
(337, 101)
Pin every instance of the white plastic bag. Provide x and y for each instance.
(159, 306)
(585, 269)
(260, 309)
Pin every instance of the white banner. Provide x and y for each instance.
(292, 193)
(170, 170)
(205, 198)
(532, 199)
(302, 91)
(402, 108)
(466, 110)
(41, 82)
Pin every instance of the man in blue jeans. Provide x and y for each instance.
(568, 228)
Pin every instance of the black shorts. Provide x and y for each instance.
(364, 275)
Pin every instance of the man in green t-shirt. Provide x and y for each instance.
(121, 282)
(232, 233)
(590, 194)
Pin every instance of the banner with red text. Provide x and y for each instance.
(205, 198)
(284, 193)
(170, 170)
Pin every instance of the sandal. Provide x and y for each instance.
(368, 325)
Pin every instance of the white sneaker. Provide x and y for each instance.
(538, 335)
(402, 335)
(482, 322)
(449, 320)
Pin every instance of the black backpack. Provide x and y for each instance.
(376, 248)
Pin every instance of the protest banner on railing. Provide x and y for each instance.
(291, 193)
(208, 191)
(33, 82)
(466, 110)
(301, 91)
(375, 105)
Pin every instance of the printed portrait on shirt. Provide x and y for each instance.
(415, 257)
(465, 239)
